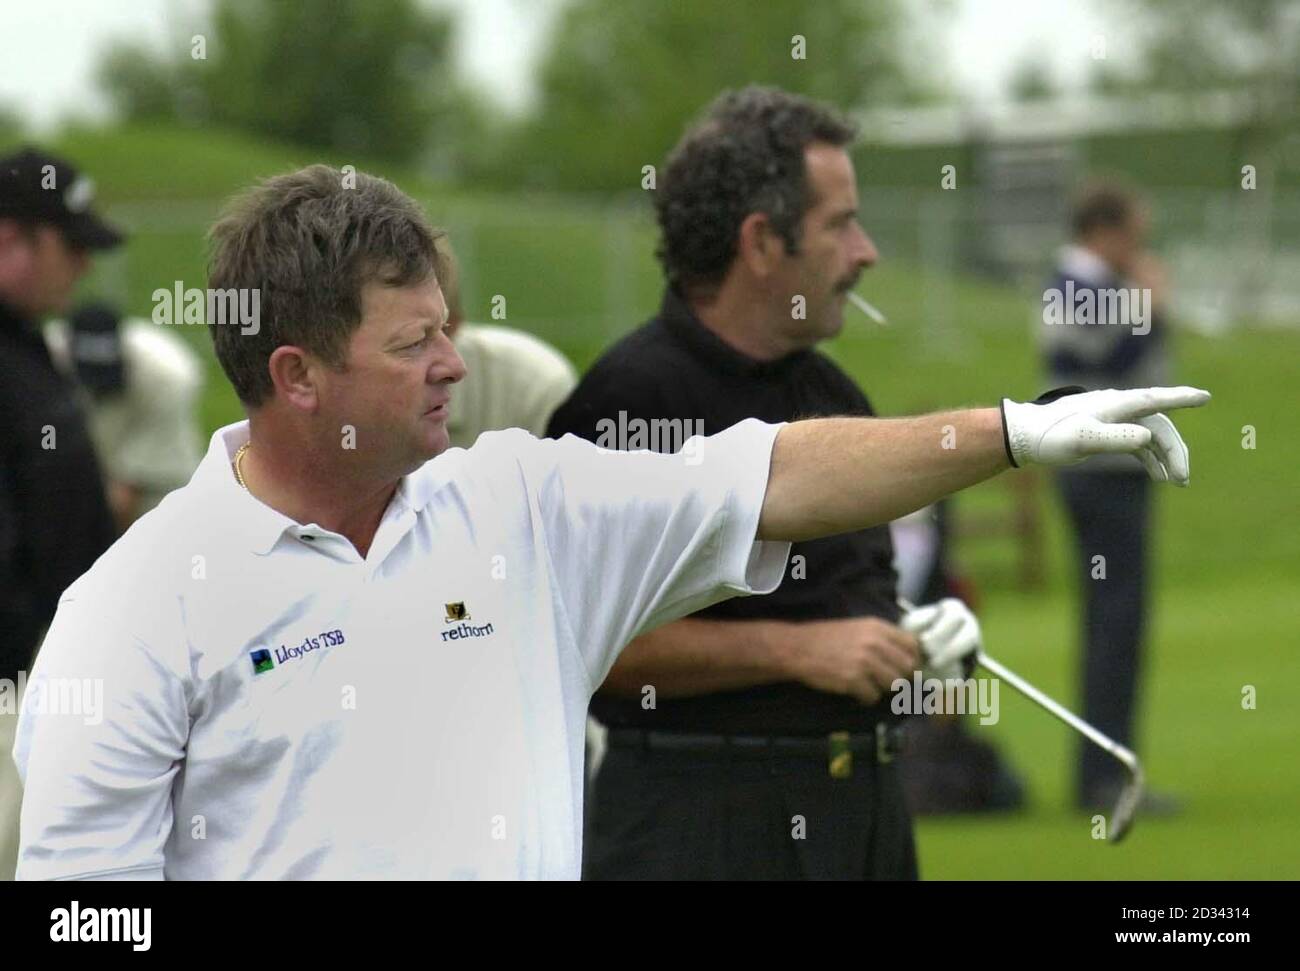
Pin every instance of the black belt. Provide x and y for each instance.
(837, 748)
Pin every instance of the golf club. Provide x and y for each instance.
(1126, 803)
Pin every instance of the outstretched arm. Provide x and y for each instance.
(835, 475)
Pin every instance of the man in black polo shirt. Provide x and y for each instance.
(754, 739)
(54, 516)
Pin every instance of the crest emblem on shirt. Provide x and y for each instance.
(456, 612)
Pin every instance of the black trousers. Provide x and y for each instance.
(656, 815)
(1110, 513)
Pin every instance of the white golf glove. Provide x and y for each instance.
(1068, 425)
(949, 636)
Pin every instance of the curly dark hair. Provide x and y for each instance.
(744, 155)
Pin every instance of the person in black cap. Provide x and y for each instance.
(143, 383)
(54, 516)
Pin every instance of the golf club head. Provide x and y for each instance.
(1130, 797)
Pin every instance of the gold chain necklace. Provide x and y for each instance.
(239, 458)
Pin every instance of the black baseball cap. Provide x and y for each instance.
(36, 187)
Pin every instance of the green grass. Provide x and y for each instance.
(1225, 609)
(1225, 613)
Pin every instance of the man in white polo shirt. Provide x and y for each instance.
(341, 653)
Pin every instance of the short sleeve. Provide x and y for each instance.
(639, 538)
(101, 736)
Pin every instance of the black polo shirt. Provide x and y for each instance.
(676, 368)
(54, 517)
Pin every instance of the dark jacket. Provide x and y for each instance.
(54, 516)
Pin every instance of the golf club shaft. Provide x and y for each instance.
(1064, 714)
(1060, 711)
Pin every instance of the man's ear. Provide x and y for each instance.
(294, 375)
(759, 244)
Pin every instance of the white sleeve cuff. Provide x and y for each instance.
(748, 565)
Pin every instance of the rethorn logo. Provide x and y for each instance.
(668, 435)
(467, 630)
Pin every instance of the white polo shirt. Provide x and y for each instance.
(276, 707)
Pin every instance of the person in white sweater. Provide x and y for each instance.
(514, 380)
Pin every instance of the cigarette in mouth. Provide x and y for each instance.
(866, 308)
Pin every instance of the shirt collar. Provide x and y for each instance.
(1080, 263)
(416, 490)
(257, 526)
(251, 523)
(678, 317)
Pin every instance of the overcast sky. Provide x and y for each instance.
(48, 50)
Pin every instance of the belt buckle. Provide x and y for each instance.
(840, 755)
(883, 755)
